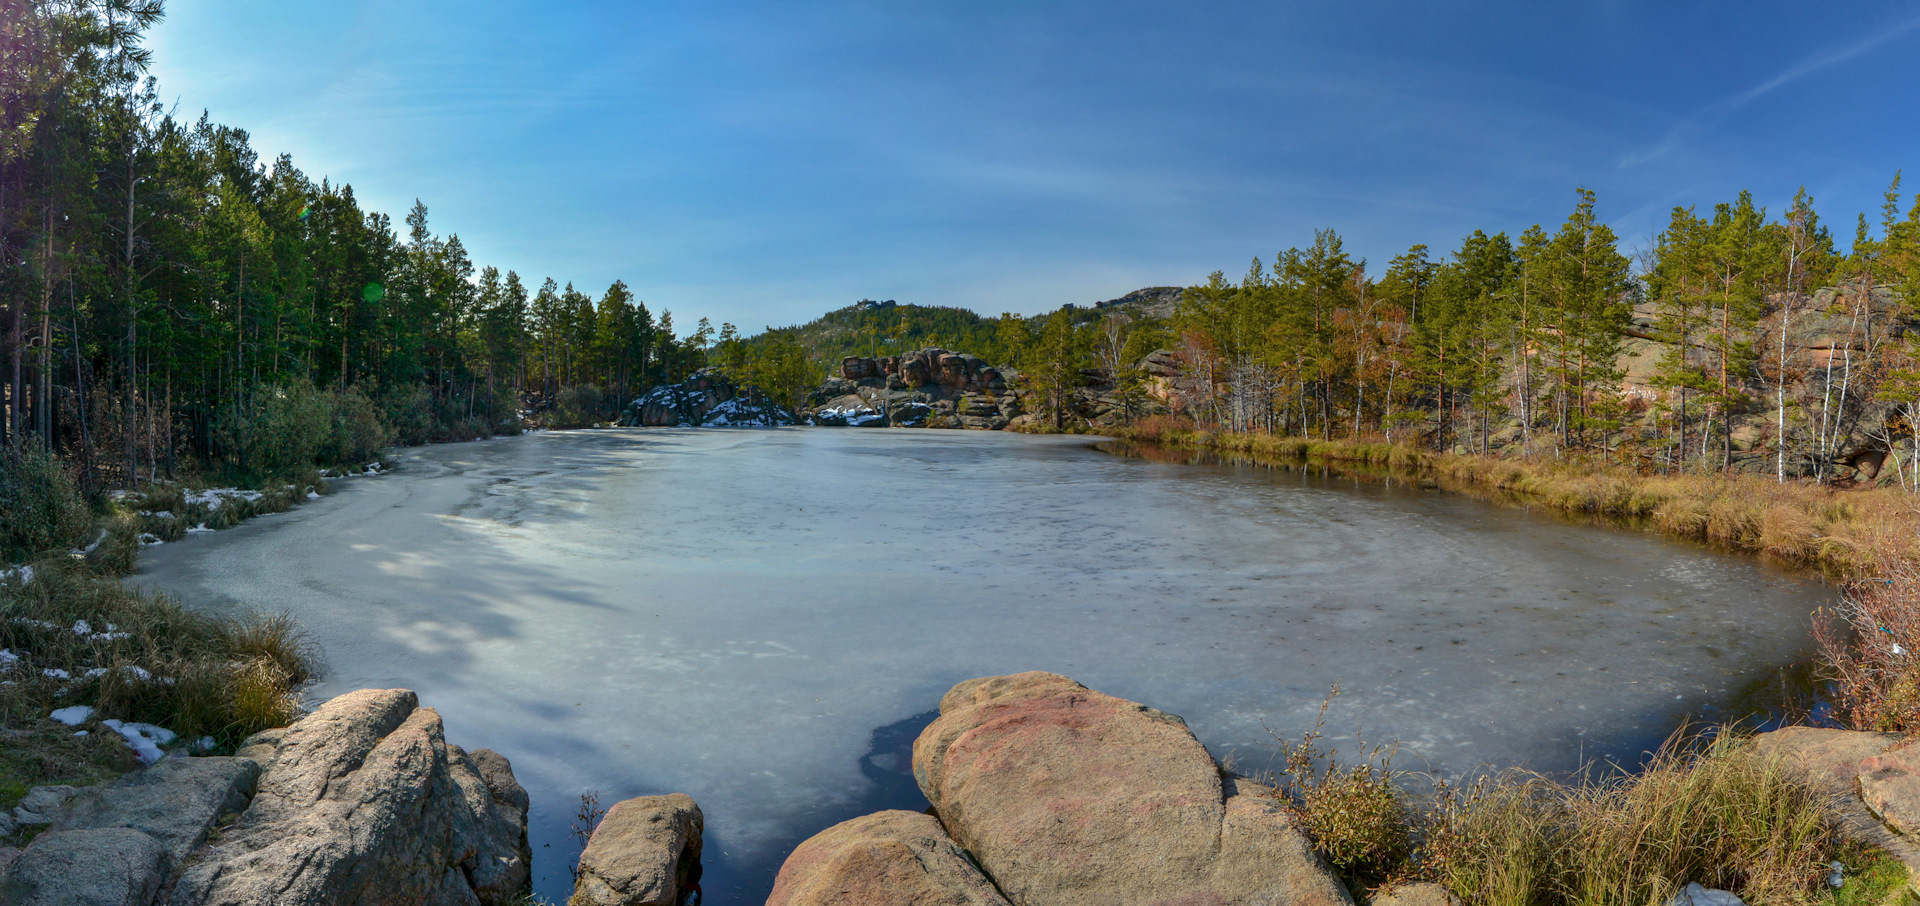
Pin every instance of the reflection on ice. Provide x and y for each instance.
(763, 619)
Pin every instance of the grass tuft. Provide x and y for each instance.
(1707, 809)
(143, 657)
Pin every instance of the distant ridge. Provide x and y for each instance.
(876, 328)
(1151, 302)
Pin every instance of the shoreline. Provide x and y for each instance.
(1842, 534)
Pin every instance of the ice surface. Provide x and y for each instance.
(765, 619)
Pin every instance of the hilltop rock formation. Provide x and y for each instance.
(363, 801)
(927, 387)
(708, 399)
(1150, 302)
(1052, 793)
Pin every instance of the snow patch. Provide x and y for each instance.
(144, 739)
(216, 497)
(112, 633)
(83, 553)
(852, 416)
(740, 413)
(74, 716)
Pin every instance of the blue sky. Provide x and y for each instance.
(763, 163)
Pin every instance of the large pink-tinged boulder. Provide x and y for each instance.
(1067, 796)
(1829, 758)
(891, 858)
(1890, 786)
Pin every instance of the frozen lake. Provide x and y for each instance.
(765, 619)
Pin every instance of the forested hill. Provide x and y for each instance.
(875, 328)
(871, 328)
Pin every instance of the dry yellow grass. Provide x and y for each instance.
(1843, 533)
(1708, 810)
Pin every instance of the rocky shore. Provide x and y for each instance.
(927, 388)
(708, 399)
(1044, 792)
(940, 388)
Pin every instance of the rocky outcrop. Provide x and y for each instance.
(645, 852)
(115, 866)
(36, 808)
(1157, 302)
(128, 840)
(927, 387)
(1890, 787)
(176, 803)
(1865, 775)
(1830, 334)
(891, 858)
(363, 801)
(1053, 793)
(367, 801)
(708, 399)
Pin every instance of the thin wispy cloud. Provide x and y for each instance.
(1722, 109)
(753, 161)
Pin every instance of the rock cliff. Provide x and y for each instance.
(927, 387)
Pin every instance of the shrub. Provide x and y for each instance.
(39, 508)
(360, 430)
(578, 407)
(281, 430)
(409, 412)
(1356, 814)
